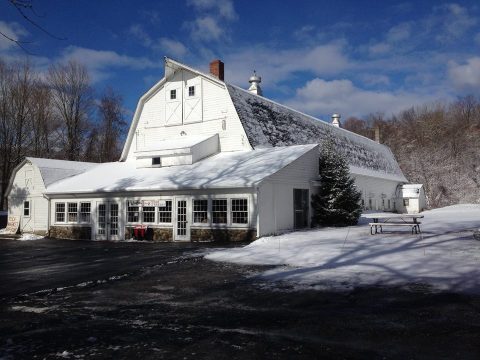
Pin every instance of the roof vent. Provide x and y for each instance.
(217, 69)
(255, 84)
(336, 120)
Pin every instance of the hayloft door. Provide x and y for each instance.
(107, 224)
(182, 224)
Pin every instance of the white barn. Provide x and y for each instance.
(203, 160)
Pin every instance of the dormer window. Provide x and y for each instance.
(173, 94)
(191, 91)
(157, 161)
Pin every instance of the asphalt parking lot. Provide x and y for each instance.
(73, 299)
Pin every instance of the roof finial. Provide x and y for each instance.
(255, 84)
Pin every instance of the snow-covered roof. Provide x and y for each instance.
(411, 190)
(269, 124)
(224, 170)
(55, 170)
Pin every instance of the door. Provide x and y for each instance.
(182, 223)
(300, 208)
(108, 221)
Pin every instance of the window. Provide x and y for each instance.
(156, 161)
(389, 204)
(26, 208)
(369, 204)
(60, 212)
(133, 214)
(165, 212)
(219, 211)
(85, 209)
(191, 91)
(363, 203)
(173, 94)
(406, 202)
(239, 211)
(72, 215)
(200, 211)
(148, 214)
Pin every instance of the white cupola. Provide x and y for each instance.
(255, 84)
(336, 120)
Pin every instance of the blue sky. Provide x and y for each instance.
(352, 57)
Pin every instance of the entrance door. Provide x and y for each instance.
(108, 221)
(300, 208)
(182, 224)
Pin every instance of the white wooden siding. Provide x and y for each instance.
(213, 113)
(28, 186)
(275, 195)
(379, 191)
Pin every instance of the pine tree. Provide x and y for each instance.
(337, 202)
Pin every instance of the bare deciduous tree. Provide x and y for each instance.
(72, 103)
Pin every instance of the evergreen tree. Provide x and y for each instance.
(337, 202)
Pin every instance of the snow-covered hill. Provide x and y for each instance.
(445, 256)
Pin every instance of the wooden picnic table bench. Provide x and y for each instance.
(388, 220)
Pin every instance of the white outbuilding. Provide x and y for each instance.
(203, 160)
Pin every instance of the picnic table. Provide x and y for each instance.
(381, 220)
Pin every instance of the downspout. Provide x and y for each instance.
(48, 214)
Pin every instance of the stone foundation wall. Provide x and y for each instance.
(71, 232)
(223, 235)
(153, 234)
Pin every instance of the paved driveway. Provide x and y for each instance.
(68, 299)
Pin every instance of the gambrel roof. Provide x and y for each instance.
(269, 124)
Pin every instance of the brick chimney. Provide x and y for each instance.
(217, 69)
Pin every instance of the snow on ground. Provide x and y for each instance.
(28, 237)
(445, 256)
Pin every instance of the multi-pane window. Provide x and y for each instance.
(133, 214)
(239, 211)
(26, 208)
(173, 94)
(85, 210)
(60, 212)
(72, 215)
(191, 91)
(148, 214)
(200, 211)
(165, 212)
(219, 211)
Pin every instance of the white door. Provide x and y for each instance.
(108, 224)
(182, 220)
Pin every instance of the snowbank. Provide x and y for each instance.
(445, 256)
(29, 237)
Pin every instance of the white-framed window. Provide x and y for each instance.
(133, 214)
(173, 94)
(406, 202)
(239, 211)
(200, 211)
(60, 212)
(157, 161)
(388, 201)
(85, 211)
(26, 208)
(219, 211)
(191, 91)
(148, 214)
(72, 214)
(165, 213)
